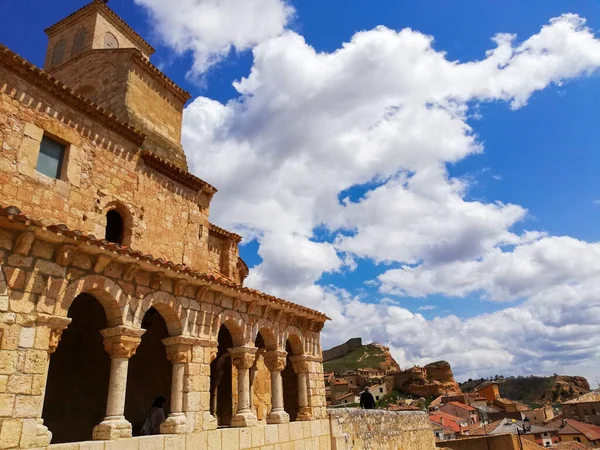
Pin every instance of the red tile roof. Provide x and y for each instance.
(448, 420)
(591, 432)
(462, 405)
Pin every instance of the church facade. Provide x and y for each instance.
(115, 287)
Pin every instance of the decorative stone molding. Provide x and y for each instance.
(56, 325)
(102, 261)
(23, 243)
(122, 341)
(300, 364)
(65, 254)
(243, 357)
(275, 360)
(179, 348)
(130, 272)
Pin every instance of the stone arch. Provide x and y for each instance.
(127, 216)
(296, 339)
(268, 332)
(168, 307)
(79, 41)
(106, 291)
(234, 323)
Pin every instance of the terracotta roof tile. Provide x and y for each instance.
(590, 397)
(591, 432)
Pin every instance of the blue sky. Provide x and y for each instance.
(539, 156)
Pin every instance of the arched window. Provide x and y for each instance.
(59, 53)
(110, 41)
(114, 227)
(79, 41)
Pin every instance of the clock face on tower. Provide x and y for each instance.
(110, 41)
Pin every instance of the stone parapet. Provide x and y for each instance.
(359, 429)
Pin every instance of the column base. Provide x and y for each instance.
(278, 417)
(116, 427)
(43, 436)
(209, 422)
(304, 414)
(244, 419)
(176, 423)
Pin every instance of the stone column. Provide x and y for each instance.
(301, 367)
(179, 352)
(243, 359)
(275, 362)
(48, 333)
(120, 343)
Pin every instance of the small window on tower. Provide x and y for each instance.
(59, 53)
(50, 158)
(114, 227)
(79, 41)
(110, 41)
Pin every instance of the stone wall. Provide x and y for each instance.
(358, 429)
(498, 442)
(102, 169)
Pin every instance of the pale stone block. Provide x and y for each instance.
(28, 406)
(258, 436)
(33, 132)
(315, 428)
(29, 433)
(296, 431)
(196, 440)
(19, 384)
(306, 429)
(245, 438)
(325, 426)
(271, 434)
(287, 446)
(8, 362)
(300, 445)
(122, 444)
(36, 361)
(27, 337)
(29, 151)
(324, 443)
(3, 382)
(230, 438)
(91, 445)
(214, 440)
(284, 432)
(3, 303)
(151, 442)
(7, 403)
(10, 433)
(174, 442)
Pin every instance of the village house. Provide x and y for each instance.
(489, 390)
(585, 408)
(115, 287)
(573, 430)
(466, 412)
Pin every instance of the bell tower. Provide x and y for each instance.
(95, 52)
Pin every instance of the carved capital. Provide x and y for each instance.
(121, 341)
(179, 348)
(56, 325)
(275, 360)
(179, 286)
(243, 357)
(300, 364)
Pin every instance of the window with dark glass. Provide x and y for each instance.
(114, 227)
(59, 53)
(79, 41)
(50, 158)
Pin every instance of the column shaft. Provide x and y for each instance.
(177, 388)
(276, 362)
(243, 359)
(117, 387)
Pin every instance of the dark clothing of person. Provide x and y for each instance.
(367, 401)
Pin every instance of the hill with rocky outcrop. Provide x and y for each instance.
(536, 390)
(352, 355)
(432, 380)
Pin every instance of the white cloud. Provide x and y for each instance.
(384, 114)
(426, 308)
(210, 29)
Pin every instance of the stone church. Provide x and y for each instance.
(116, 288)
